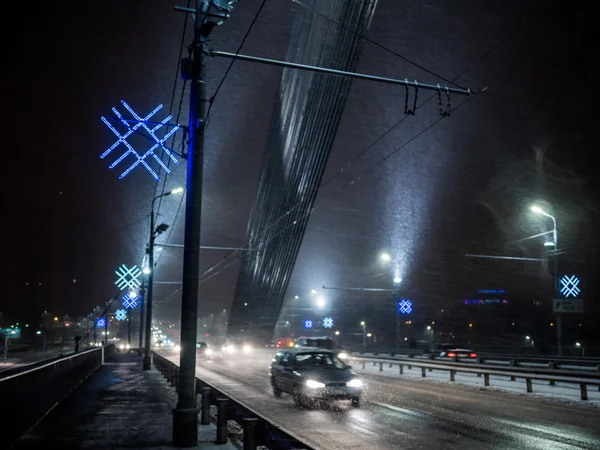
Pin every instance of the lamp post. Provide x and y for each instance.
(538, 210)
(150, 250)
(364, 327)
(397, 280)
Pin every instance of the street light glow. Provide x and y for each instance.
(312, 291)
(386, 257)
(321, 302)
(362, 324)
(429, 327)
(177, 190)
(578, 344)
(397, 280)
(536, 209)
(527, 337)
(369, 334)
(337, 333)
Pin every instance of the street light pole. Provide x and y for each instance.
(364, 327)
(147, 352)
(538, 210)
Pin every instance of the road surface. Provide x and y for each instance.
(410, 414)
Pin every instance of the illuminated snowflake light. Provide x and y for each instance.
(569, 286)
(405, 306)
(129, 302)
(128, 277)
(120, 314)
(140, 158)
(101, 322)
(308, 323)
(328, 322)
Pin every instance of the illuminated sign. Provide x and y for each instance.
(569, 286)
(405, 306)
(101, 322)
(328, 322)
(136, 126)
(120, 314)
(308, 323)
(128, 277)
(129, 301)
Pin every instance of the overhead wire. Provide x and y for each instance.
(378, 139)
(239, 49)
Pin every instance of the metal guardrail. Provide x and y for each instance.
(592, 364)
(28, 396)
(257, 431)
(552, 376)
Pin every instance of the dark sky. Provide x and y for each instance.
(463, 185)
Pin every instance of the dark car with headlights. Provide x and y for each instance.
(311, 374)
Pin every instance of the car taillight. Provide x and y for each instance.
(473, 355)
(451, 355)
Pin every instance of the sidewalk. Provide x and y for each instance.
(118, 407)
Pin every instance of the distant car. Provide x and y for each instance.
(312, 374)
(238, 347)
(203, 350)
(323, 342)
(284, 343)
(452, 351)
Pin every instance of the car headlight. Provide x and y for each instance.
(356, 383)
(247, 349)
(208, 351)
(342, 355)
(231, 349)
(121, 346)
(177, 348)
(314, 384)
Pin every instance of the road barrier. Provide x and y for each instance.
(257, 430)
(29, 395)
(583, 379)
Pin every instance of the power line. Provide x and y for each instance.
(233, 61)
(377, 44)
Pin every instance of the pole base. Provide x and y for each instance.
(146, 364)
(185, 427)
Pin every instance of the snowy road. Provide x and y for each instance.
(407, 413)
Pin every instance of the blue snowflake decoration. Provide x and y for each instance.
(150, 133)
(569, 286)
(308, 323)
(328, 322)
(101, 322)
(130, 302)
(120, 314)
(405, 306)
(128, 278)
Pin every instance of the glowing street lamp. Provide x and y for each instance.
(312, 291)
(397, 280)
(364, 327)
(538, 210)
(321, 302)
(386, 257)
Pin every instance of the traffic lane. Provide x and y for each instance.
(407, 414)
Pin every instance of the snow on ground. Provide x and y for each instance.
(566, 392)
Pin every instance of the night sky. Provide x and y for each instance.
(461, 184)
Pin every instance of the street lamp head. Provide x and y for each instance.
(369, 334)
(386, 257)
(337, 333)
(429, 327)
(527, 337)
(397, 280)
(177, 190)
(362, 324)
(536, 209)
(321, 302)
(146, 270)
(312, 291)
(578, 344)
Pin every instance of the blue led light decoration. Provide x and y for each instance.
(128, 278)
(130, 302)
(101, 322)
(328, 322)
(569, 286)
(405, 306)
(120, 314)
(134, 126)
(308, 323)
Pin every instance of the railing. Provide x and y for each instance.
(257, 431)
(29, 395)
(583, 379)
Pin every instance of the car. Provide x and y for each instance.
(314, 374)
(238, 347)
(452, 351)
(323, 342)
(203, 350)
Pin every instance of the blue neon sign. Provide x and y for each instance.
(569, 286)
(101, 322)
(308, 324)
(405, 306)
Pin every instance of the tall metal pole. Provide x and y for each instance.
(129, 327)
(185, 415)
(147, 356)
(142, 297)
(556, 288)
